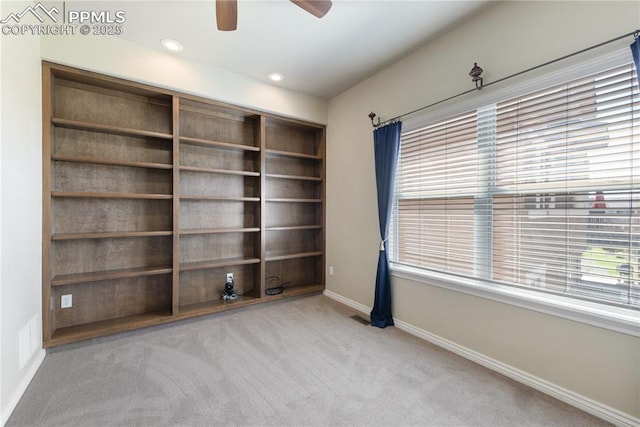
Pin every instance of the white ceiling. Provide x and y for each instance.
(320, 57)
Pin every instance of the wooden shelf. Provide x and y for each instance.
(222, 198)
(215, 306)
(105, 327)
(294, 177)
(96, 127)
(69, 279)
(93, 195)
(220, 171)
(217, 144)
(123, 324)
(294, 228)
(282, 257)
(205, 265)
(292, 154)
(281, 200)
(91, 160)
(219, 231)
(110, 235)
(210, 307)
(296, 290)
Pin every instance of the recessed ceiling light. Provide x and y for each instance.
(171, 45)
(275, 77)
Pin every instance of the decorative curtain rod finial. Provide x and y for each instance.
(372, 116)
(476, 75)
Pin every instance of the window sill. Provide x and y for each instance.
(626, 321)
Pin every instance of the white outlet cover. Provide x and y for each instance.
(66, 301)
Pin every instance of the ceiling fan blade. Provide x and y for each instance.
(227, 14)
(317, 8)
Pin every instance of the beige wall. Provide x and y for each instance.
(509, 37)
(21, 208)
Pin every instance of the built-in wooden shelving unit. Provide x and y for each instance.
(152, 196)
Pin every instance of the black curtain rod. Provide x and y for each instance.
(372, 115)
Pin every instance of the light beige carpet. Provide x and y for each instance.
(303, 362)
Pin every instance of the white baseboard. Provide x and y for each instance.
(31, 372)
(586, 404)
(349, 302)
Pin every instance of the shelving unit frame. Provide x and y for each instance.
(151, 196)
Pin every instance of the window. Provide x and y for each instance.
(435, 212)
(537, 191)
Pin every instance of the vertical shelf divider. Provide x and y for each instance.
(175, 275)
(323, 192)
(47, 114)
(262, 139)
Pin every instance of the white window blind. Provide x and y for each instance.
(540, 191)
(435, 190)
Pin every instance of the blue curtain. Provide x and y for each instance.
(386, 145)
(635, 50)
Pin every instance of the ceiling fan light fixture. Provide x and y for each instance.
(275, 77)
(172, 45)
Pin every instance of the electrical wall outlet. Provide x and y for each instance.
(331, 270)
(229, 277)
(66, 301)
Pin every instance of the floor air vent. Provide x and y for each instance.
(360, 319)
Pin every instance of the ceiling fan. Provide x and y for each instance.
(227, 11)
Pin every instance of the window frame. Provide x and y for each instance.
(620, 319)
